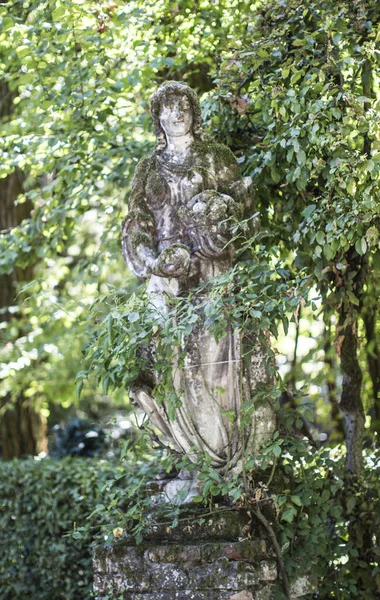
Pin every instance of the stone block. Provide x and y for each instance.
(265, 593)
(174, 553)
(167, 577)
(182, 595)
(120, 567)
(244, 595)
(120, 556)
(223, 575)
(247, 550)
(195, 561)
(227, 525)
(302, 586)
(268, 570)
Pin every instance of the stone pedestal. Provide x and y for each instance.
(195, 561)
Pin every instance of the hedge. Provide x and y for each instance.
(41, 504)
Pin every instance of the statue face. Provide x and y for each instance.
(176, 116)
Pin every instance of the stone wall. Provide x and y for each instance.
(212, 560)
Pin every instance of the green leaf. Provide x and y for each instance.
(325, 496)
(78, 389)
(352, 298)
(299, 42)
(361, 246)
(351, 502)
(288, 516)
(285, 324)
(58, 13)
(207, 487)
(328, 252)
(277, 451)
(336, 38)
(301, 157)
(7, 23)
(308, 211)
(109, 329)
(351, 186)
(133, 317)
(106, 382)
(273, 329)
(320, 237)
(22, 51)
(229, 414)
(296, 500)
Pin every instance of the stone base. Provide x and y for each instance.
(195, 561)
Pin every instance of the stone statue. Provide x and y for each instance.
(176, 236)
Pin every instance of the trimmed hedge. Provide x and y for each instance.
(41, 503)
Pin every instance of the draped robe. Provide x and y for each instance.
(188, 204)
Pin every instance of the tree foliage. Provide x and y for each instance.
(81, 76)
(305, 87)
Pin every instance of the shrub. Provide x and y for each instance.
(41, 504)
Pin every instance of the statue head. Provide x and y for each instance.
(161, 96)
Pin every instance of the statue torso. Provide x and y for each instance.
(169, 189)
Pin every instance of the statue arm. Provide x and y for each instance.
(230, 181)
(209, 212)
(138, 231)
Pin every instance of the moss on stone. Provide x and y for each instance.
(204, 153)
(138, 238)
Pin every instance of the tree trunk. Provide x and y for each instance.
(373, 361)
(22, 428)
(22, 431)
(350, 403)
(332, 393)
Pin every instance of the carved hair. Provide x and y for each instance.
(174, 88)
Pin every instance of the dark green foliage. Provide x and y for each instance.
(81, 74)
(41, 504)
(327, 526)
(304, 88)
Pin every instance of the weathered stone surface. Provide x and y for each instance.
(200, 561)
(119, 567)
(223, 575)
(167, 577)
(247, 550)
(265, 593)
(174, 553)
(228, 525)
(177, 235)
(244, 595)
(182, 595)
(268, 570)
(302, 586)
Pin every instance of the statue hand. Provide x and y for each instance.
(173, 261)
(209, 207)
(208, 215)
